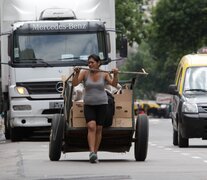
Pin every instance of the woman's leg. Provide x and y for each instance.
(98, 137)
(91, 135)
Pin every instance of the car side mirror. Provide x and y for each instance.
(172, 89)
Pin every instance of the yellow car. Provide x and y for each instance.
(149, 107)
(189, 105)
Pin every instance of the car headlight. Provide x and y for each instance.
(22, 90)
(189, 107)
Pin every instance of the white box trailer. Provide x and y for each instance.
(41, 41)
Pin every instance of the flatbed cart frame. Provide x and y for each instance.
(66, 138)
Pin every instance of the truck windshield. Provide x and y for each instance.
(195, 80)
(58, 48)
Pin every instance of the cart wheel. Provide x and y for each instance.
(56, 137)
(141, 137)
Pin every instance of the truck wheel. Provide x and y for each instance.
(56, 137)
(6, 125)
(182, 142)
(15, 134)
(141, 137)
(175, 137)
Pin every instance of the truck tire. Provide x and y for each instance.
(182, 142)
(141, 137)
(175, 137)
(15, 134)
(56, 137)
(6, 125)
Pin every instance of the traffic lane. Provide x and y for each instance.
(191, 160)
(29, 160)
(161, 136)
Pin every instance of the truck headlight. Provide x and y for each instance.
(189, 107)
(22, 90)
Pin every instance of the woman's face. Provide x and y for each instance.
(93, 64)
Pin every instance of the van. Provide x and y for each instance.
(189, 104)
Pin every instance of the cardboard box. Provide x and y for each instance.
(78, 122)
(78, 110)
(125, 96)
(123, 110)
(123, 122)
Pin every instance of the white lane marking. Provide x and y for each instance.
(196, 157)
(177, 151)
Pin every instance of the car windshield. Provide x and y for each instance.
(195, 80)
(53, 48)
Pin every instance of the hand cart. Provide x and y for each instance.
(69, 131)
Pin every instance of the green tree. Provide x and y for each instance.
(136, 62)
(129, 19)
(178, 27)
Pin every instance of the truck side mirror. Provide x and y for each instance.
(172, 89)
(123, 47)
(108, 42)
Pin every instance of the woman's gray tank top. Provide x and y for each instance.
(95, 93)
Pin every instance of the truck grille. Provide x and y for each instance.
(204, 108)
(51, 87)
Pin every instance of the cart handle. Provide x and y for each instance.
(143, 72)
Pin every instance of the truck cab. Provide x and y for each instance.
(39, 50)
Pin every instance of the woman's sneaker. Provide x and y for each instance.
(93, 157)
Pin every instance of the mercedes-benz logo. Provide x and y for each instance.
(59, 86)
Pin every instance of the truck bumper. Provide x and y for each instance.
(194, 126)
(36, 114)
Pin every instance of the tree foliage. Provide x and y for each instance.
(136, 62)
(178, 27)
(129, 19)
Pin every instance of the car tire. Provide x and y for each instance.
(182, 142)
(175, 137)
(56, 137)
(141, 137)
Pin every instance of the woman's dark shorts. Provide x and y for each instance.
(95, 112)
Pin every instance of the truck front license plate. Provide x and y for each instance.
(56, 105)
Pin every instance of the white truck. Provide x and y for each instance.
(41, 41)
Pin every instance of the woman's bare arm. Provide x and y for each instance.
(78, 77)
(112, 80)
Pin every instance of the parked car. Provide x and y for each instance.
(164, 100)
(150, 107)
(189, 105)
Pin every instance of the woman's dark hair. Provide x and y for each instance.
(95, 57)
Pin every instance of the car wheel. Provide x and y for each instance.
(182, 142)
(56, 137)
(141, 137)
(175, 137)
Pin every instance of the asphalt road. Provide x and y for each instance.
(29, 160)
